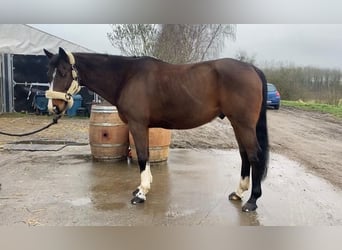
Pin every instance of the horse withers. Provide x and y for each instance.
(151, 93)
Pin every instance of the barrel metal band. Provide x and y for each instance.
(108, 145)
(105, 124)
(153, 147)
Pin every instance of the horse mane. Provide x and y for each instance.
(121, 58)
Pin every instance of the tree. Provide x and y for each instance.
(306, 83)
(175, 43)
(134, 39)
(242, 55)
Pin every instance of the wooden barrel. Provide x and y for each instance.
(108, 135)
(159, 143)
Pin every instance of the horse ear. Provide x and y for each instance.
(48, 53)
(63, 54)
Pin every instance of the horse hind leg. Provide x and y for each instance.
(256, 188)
(244, 181)
(249, 147)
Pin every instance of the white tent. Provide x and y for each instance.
(24, 39)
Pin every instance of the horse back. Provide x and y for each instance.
(184, 96)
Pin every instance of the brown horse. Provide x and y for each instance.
(151, 93)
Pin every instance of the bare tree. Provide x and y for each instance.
(134, 39)
(242, 55)
(184, 43)
(175, 43)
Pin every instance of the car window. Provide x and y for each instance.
(271, 87)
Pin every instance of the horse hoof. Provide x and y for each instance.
(234, 197)
(249, 207)
(135, 192)
(137, 200)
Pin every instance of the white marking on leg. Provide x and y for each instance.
(243, 186)
(145, 184)
(141, 195)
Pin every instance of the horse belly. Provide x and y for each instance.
(185, 117)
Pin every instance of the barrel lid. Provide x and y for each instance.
(102, 108)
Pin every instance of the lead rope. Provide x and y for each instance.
(54, 121)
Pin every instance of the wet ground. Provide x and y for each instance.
(66, 187)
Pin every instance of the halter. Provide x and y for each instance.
(73, 89)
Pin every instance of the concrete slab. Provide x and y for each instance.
(68, 188)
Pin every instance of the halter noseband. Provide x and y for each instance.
(73, 89)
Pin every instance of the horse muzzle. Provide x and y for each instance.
(57, 107)
(59, 102)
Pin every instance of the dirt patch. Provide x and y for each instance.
(67, 129)
(312, 138)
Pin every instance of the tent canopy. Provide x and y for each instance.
(24, 39)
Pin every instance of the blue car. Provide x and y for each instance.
(273, 96)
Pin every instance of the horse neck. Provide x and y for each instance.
(103, 74)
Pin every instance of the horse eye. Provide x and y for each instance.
(49, 76)
(60, 73)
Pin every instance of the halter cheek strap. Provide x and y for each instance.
(73, 89)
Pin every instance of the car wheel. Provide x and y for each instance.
(276, 107)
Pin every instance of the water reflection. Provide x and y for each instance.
(191, 189)
(180, 194)
(112, 184)
(245, 219)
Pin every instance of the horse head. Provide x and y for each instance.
(63, 77)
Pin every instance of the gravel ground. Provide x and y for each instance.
(313, 139)
(218, 134)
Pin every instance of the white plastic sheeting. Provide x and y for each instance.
(24, 39)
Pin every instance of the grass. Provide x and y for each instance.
(312, 106)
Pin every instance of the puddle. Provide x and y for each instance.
(191, 188)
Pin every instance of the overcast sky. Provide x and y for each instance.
(301, 44)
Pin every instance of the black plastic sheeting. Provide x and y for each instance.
(30, 69)
(26, 96)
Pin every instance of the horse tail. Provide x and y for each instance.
(261, 128)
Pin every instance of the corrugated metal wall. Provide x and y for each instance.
(6, 88)
(1, 96)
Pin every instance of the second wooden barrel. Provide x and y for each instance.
(159, 143)
(108, 135)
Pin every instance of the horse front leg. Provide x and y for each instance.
(140, 136)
